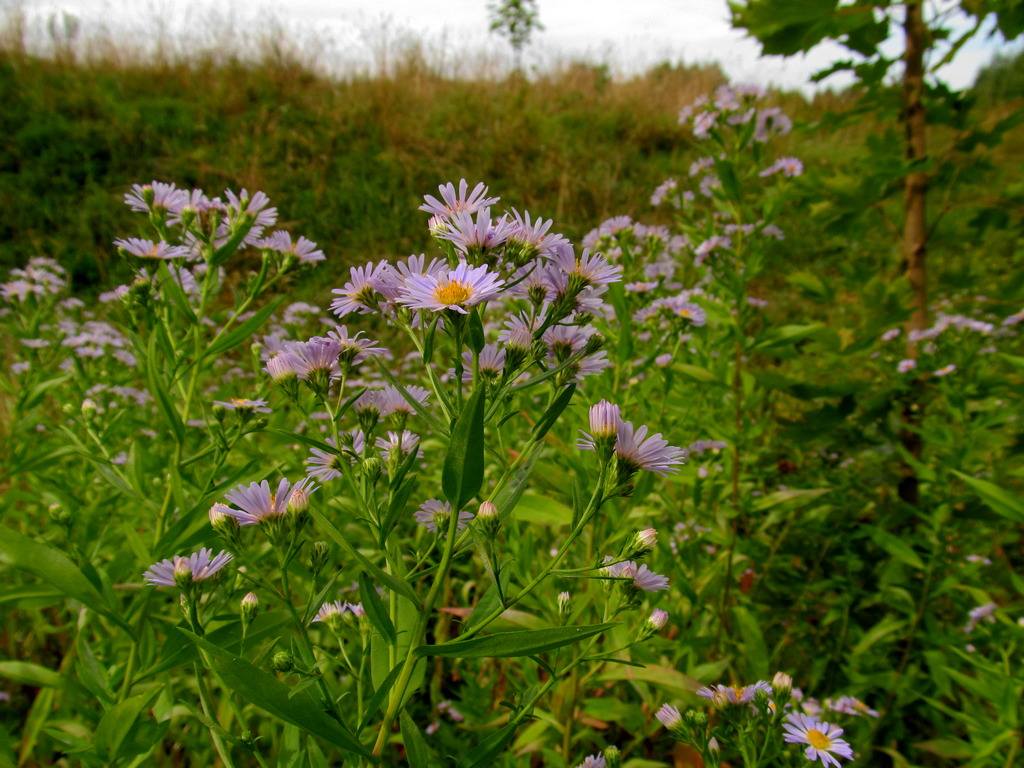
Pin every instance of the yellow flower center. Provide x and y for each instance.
(685, 313)
(451, 293)
(239, 401)
(817, 739)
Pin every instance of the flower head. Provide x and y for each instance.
(434, 511)
(452, 202)
(821, 738)
(257, 504)
(199, 566)
(459, 289)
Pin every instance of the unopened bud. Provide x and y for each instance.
(488, 520)
(669, 717)
(696, 717)
(612, 757)
(182, 573)
(658, 619)
(250, 607)
(283, 662)
(564, 606)
(89, 408)
(299, 501)
(372, 469)
(319, 556)
(782, 683)
(640, 544)
(594, 344)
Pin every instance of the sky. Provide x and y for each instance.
(628, 35)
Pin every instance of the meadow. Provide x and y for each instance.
(557, 419)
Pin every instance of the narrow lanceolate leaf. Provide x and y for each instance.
(463, 471)
(160, 395)
(117, 724)
(415, 747)
(271, 695)
(376, 611)
(483, 754)
(391, 582)
(522, 643)
(53, 566)
(553, 412)
(243, 331)
(1000, 501)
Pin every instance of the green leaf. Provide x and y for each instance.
(475, 338)
(669, 680)
(112, 732)
(520, 643)
(27, 673)
(379, 695)
(160, 395)
(53, 566)
(463, 472)
(786, 335)
(483, 754)
(897, 547)
(244, 331)
(376, 611)
(415, 747)
(543, 510)
(703, 375)
(271, 695)
(999, 500)
(398, 585)
(553, 412)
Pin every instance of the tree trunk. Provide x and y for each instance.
(915, 233)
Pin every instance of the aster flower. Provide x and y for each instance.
(662, 191)
(303, 249)
(283, 366)
(593, 761)
(453, 202)
(352, 349)
(360, 294)
(640, 578)
(476, 237)
(147, 249)
(790, 166)
(201, 565)
(460, 288)
(403, 443)
(433, 510)
(153, 197)
(589, 270)
(821, 738)
(318, 355)
(491, 362)
(243, 405)
(669, 716)
(390, 282)
(635, 451)
(945, 370)
(531, 240)
(981, 613)
(906, 366)
(392, 400)
(258, 504)
(850, 705)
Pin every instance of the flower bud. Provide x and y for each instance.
(372, 469)
(488, 520)
(182, 573)
(658, 619)
(640, 544)
(612, 757)
(564, 606)
(594, 344)
(89, 408)
(223, 524)
(782, 683)
(318, 557)
(669, 717)
(250, 607)
(283, 662)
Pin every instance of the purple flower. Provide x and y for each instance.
(360, 294)
(392, 401)
(821, 738)
(258, 503)
(790, 166)
(981, 613)
(531, 239)
(201, 565)
(462, 287)
(945, 370)
(453, 202)
(906, 366)
(669, 716)
(590, 270)
(662, 191)
(641, 578)
(147, 249)
(155, 196)
(433, 511)
(243, 405)
(303, 249)
(593, 761)
(636, 451)
(403, 443)
(326, 465)
(476, 236)
(850, 705)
